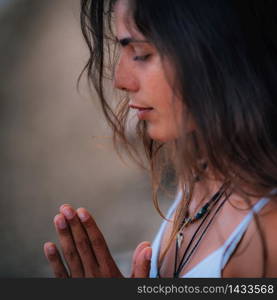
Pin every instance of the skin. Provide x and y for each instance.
(82, 243)
(246, 260)
(85, 250)
(141, 72)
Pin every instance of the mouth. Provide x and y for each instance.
(143, 113)
(140, 107)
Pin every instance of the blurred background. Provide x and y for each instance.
(48, 153)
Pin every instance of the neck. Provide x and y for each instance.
(203, 191)
(205, 188)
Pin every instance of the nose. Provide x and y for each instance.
(125, 77)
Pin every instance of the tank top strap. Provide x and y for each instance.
(157, 240)
(231, 243)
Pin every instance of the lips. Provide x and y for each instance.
(140, 107)
(143, 113)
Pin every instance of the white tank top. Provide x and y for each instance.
(213, 264)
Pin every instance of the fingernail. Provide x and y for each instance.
(63, 205)
(68, 212)
(148, 253)
(82, 215)
(60, 221)
(50, 250)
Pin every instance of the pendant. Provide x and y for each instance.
(180, 238)
(187, 221)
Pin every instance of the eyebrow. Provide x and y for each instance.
(126, 41)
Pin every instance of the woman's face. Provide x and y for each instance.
(141, 73)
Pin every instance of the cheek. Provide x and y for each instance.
(160, 93)
(169, 105)
(167, 123)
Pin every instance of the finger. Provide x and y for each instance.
(98, 243)
(81, 241)
(143, 263)
(69, 250)
(137, 251)
(55, 260)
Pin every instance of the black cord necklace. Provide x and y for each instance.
(186, 256)
(203, 212)
(189, 220)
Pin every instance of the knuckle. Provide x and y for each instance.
(89, 223)
(97, 241)
(82, 244)
(70, 254)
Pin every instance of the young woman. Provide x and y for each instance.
(201, 76)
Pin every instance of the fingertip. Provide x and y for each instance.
(146, 243)
(65, 204)
(68, 211)
(58, 218)
(83, 214)
(139, 249)
(46, 244)
(59, 221)
(49, 248)
(83, 208)
(142, 267)
(148, 253)
(143, 244)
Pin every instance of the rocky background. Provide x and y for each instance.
(48, 155)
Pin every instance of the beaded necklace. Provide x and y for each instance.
(189, 220)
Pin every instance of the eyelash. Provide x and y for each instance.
(141, 58)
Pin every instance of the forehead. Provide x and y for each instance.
(124, 24)
(121, 10)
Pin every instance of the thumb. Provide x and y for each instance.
(143, 263)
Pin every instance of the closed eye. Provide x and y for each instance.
(142, 57)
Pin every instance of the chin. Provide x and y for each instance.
(162, 136)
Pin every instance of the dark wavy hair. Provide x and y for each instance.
(224, 54)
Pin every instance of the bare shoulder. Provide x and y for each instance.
(269, 226)
(248, 259)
